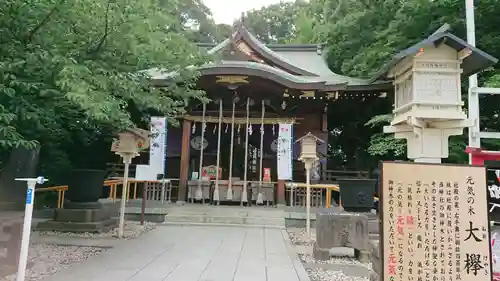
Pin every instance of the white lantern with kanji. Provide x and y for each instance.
(131, 141)
(308, 147)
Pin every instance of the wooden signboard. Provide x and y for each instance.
(434, 222)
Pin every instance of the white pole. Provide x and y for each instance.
(28, 216)
(244, 192)
(474, 140)
(127, 158)
(259, 195)
(199, 192)
(308, 165)
(216, 191)
(229, 195)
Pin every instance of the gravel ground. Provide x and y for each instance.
(299, 236)
(132, 229)
(49, 259)
(318, 274)
(308, 258)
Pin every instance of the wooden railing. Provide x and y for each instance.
(154, 191)
(61, 190)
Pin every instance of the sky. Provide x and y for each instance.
(226, 11)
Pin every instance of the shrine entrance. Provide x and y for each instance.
(238, 147)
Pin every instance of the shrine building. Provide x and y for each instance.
(252, 86)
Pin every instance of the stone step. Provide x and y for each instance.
(224, 211)
(224, 225)
(242, 220)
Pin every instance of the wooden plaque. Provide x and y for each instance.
(434, 223)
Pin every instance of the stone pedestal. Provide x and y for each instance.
(375, 260)
(341, 229)
(11, 229)
(83, 217)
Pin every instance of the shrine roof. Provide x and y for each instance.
(475, 61)
(301, 63)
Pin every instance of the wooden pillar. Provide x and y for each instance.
(280, 193)
(185, 149)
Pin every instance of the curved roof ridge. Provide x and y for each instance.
(267, 68)
(219, 46)
(271, 55)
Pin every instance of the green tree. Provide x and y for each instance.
(361, 36)
(275, 23)
(71, 73)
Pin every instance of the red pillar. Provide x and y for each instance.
(280, 193)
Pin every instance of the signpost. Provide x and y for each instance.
(28, 215)
(128, 146)
(434, 222)
(308, 156)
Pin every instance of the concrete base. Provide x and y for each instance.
(94, 214)
(362, 256)
(79, 227)
(374, 276)
(83, 217)
(320, 254)
(375, 257)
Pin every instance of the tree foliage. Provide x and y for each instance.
(361, 35)
(72, 74)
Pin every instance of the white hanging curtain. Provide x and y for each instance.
(247, 128)
(199, 191)
(260, 199)
(229, 195)
(216, 191)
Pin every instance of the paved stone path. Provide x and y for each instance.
(195, 253)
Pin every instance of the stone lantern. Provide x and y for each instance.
(128, 145)
(427, 83)
(131, 141)
(308, 155)
(308, 148)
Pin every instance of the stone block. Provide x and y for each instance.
(79, 227)
(374, 248)
(83, 217)
(321, 254)
(11, 228)
(374, 276)
(362, 256)
(375, 257)
(342, 229)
